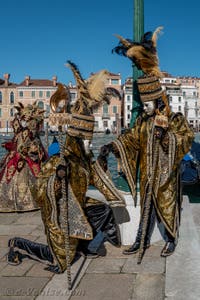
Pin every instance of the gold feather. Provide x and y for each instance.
(96, 86)
(62, 93)
(124, 42)
(155, 35)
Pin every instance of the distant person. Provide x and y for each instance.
(21, 164)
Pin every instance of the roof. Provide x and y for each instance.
(38, 82)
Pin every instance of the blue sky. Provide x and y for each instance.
(38, 37)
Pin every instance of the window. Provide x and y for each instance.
(179, 99)
(128, 116)
(179, 108)
(73, 96)
(33, 94)
(12, 98)
(41, 105)
(114, 123)
(114, 109)
(170, 99)
(105, 123)
(21, 94)
(11, 112)
(48, 94)
(128, 107)
(1, 97)
(105, 108)
(40, 94)
(47, 110)
(128, 98)
(114, 81)
(184, 94)
(96, 124)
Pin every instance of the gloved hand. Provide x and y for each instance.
(159, 132)
(105, 150)
(53, 269)
(61, 171)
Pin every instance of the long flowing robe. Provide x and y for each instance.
(81, 173)
(18, 172)
(136, 148)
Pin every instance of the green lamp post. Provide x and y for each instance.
(138, 29)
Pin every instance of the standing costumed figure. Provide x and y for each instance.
(64, 180)
(157, 143)
(21, 165)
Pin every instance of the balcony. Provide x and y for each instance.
(106, 116)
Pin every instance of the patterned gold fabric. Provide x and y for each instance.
(138, 143)
(82, 173)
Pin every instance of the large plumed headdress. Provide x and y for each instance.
(29, 112)
(143, 54)
(91, 94)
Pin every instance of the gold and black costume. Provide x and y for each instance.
(138, 144)
(74, 167)
(156, 145)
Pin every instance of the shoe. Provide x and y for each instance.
(168, 249)
(88, 254)
(14, 257)
(134, 248)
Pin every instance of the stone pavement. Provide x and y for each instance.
(114, 276)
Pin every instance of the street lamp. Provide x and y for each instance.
(138, 29)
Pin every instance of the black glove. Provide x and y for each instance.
(105, 150)
(159, 132)
(53, 269)
(61, 171)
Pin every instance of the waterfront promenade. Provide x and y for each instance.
(114, 276)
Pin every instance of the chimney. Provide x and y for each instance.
(54, 79)
(27, 80)
(6, 77)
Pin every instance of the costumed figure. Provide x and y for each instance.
(68, 215)
(21, 165)
(157, 143)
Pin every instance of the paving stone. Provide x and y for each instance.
(17, 298)
(59, 282)
(3, 264)
(154, 250)
(17, 230)
(149, 287)
(114, 252)
(22, 286)
(26, 219)
(37, 270)
(106, 265)
(19, 270)
(148, 265)
(8, 218)
(106, 287)
(3, 252)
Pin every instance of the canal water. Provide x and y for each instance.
(98, 141)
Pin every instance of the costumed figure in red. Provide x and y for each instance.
(21, 165)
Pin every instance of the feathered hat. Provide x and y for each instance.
(30, 112)
(143, 54)
(91, 93)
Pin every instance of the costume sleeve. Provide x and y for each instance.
(128, 145)
(183, 135)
